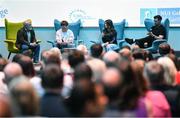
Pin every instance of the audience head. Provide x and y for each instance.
(23, 96)
(148, 55)
(5, 110)
(126, 46)
(111, 81)
(52, 77)
(75, 57)
(3, 63)
(138, 67)
(17, 57)
(83, 101)
(56, 51)
(154, 73)
(126, 53)
(138, 54)
(49, 57)
(129, 89)
(97, 70)
(83, 49)
(111, 56)
(169, 68)
(164, 48)
(27, 66)
(83, 71)
(96, 50)
(11, 71)
(174, 59)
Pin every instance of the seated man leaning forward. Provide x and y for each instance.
(157, 32)
(26, 40)
(64, 36)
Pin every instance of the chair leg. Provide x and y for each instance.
(9, 55)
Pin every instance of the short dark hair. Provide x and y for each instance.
(52, 77)
(164, 48)
(64, 23)
(96, 50)
(158, 17)
(75, 57)
(82, 71)
(154, 72)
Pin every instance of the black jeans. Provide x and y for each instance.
(149, 40)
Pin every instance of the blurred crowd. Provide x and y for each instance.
(130, 82)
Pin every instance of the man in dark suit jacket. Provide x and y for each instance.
(52, 103)
(26, 40)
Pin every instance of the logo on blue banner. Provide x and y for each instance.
(147, 13)
(173, 14)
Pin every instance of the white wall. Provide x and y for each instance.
(43, 12)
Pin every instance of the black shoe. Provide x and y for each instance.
(130, 41)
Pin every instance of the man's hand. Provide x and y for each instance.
(33, 44)
(151, 34)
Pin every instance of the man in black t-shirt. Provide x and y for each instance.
(157, 32)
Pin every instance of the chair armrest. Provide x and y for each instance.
(120, 43)
(53, 43)
(156, 43)
(9, 41)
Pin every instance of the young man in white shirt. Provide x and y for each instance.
(64, 36)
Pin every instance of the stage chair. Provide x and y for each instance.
(74, 27)
(119, 27)
(11, 29)
(155, 45)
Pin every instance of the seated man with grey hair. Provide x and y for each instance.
(26, 40)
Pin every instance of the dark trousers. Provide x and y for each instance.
(149, 40)
(35, 51)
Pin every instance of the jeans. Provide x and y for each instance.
(149, 40)
(35, 51)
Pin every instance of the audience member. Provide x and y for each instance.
(126, 53)
(169, 68)
(75, 57)
(11, 71)
(3, 63)
(5, 109)
(155, 72)
(111, 81)
(131, 103)
(96, 51)
(27, 66)
(84, 100)
(51, 104)
(83, 71)
(97, 70)
(23, 97)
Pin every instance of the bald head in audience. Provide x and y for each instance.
(111, 80)
(12, 70)
(111, 56)
(126, 53)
